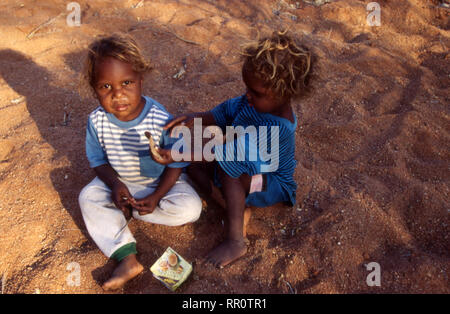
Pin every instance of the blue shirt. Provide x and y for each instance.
(124, 145)
(249, 153)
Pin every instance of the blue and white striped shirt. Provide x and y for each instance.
(237, 112)
(124, 145)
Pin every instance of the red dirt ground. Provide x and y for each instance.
(373, 145)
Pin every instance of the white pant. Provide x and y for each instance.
(106, 223)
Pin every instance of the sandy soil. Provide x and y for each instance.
(373, 145)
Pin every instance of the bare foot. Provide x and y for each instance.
(227, 252)
(128, 268)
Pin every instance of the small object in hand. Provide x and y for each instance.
(153, 146)
(129, 212)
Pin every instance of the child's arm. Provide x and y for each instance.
(188, 120)
(120, 194)
(164, 156)
(148, 204)
(220, 116)
(99, 162)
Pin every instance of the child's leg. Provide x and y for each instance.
(105, 223)
(128, 268)
(202, 174)
(108, 228)
(235, 191)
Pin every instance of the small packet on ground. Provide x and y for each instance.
(171, 269)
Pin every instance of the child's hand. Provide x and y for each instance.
(146, 205)
(165, 156)
(161, 156)
(184, 120)
(123, 199)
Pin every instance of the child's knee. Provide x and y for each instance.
(83, 198)
(187, 207)
(192, 207)
(91, 194)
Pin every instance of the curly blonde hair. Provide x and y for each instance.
(280, 62)
(119, 46)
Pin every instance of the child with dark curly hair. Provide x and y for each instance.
(128, 183)
(274, 72)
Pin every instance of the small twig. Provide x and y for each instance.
(443, 46)
(3, 283)
(138, 5)
(122, 229)
(20, 29)
(290, 15)
(290, 287)
(329, 34)
(66, 119)
(181, 38)
(50, 21)
(18, 100)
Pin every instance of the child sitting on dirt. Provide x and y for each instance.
(128, 183)
(274, 72)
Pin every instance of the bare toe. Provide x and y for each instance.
(127, 270)
(227, 252)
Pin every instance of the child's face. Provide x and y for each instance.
(260, 97)
(118, 88)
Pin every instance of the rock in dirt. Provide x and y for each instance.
(317, 2)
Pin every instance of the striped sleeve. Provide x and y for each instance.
(233, 158)
(95, 153)
(226, 111)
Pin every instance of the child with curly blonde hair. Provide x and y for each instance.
(274, 72)
(128, 183)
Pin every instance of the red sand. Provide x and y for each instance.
(372, 145)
